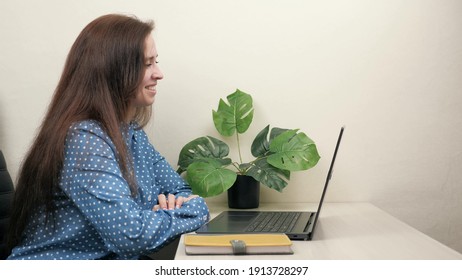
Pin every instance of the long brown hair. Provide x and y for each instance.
(102, 73)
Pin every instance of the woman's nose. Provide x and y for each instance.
(157, 74)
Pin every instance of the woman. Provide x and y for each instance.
(92, 186)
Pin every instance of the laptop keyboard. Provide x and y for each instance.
(274, 222)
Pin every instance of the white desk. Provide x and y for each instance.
(358, 231)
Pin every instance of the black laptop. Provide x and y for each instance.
(296, 225)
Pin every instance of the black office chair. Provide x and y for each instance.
(6, 199)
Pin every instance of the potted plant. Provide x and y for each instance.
(276, 153)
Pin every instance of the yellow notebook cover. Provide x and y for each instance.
(237, 244)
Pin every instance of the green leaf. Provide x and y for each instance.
(235, 116)
(276, 131)
(293, 151)
(209, 178)
(268, 175)
(260, 145)
(201, 149)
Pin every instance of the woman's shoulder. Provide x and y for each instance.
(87, 128)
(88, 132)
(86, 125)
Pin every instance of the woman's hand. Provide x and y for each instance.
(171, 202)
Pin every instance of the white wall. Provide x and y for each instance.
(391, 71)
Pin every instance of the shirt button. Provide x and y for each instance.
(149, 198)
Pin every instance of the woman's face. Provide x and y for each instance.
(152, 74)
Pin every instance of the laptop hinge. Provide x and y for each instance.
(309, 226)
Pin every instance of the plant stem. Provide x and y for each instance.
(236, 165)
(239, 146)
(253, 162)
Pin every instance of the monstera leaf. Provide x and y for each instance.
(268, 175)
(203, 148)
(293, 151)
(209, 177)
(261, 143)
(235, 116)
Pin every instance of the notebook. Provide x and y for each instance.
(237, 244)
(296, 225)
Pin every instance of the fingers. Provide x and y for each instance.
(171, 202)
(191, 197)
(166, 202)
(179, 202)
(162, 201)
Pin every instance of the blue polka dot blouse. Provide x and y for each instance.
(96, 216)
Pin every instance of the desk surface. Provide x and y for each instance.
(358, 231)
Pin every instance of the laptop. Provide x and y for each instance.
(296, 225)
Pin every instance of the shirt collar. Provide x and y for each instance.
(131, 135)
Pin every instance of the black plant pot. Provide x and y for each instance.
(244, 193)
